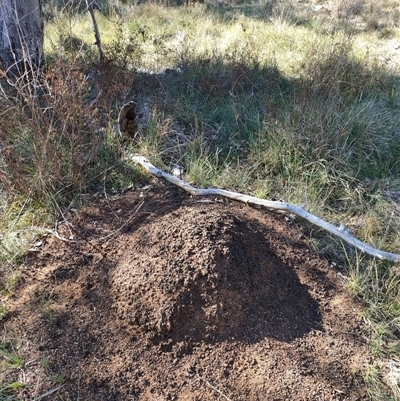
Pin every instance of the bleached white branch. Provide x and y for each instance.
(340, 232)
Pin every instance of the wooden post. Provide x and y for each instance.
(91, 6)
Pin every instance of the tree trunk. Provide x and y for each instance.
(21, 36)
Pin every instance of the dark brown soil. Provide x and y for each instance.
(168, 297)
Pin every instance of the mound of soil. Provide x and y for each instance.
(168, 297)
(208, 275)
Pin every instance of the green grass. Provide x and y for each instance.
(11, 361)
(10, 358)
(275, 100)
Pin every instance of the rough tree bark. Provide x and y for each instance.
(21, 36)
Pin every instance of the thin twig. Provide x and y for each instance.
(5, 248)
(65, 221)
(50, 392)
(58, 236)
(214, 388)
(341, 231)
(106, 198)
(123, 225)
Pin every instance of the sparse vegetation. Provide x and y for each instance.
(3, 311)
(10, 357)
(288, 100)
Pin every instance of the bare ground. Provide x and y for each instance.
(168, 297)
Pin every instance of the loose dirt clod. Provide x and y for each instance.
(187, 301)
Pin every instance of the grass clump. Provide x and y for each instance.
(3, 311)
(12, 363)
(10, 358)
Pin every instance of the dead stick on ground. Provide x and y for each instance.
(48, 393)
(214, 388)
(123, 225)
(341, 231)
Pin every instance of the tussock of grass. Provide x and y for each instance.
(9, 357)
(287, 100)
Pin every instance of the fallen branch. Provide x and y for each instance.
(341, 231)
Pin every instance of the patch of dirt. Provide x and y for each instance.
(168, 297)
